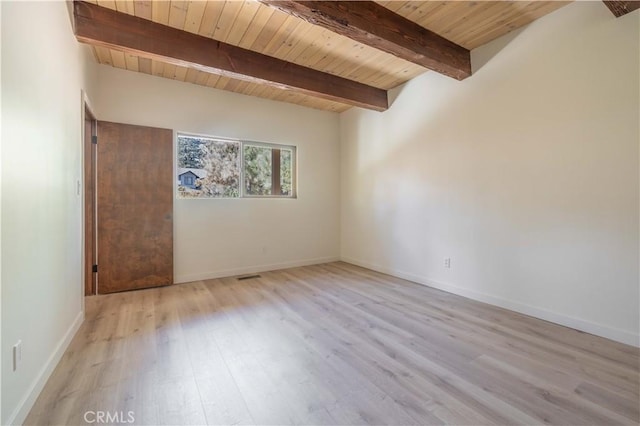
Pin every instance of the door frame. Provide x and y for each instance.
(89, 235)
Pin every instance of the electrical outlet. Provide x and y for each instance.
(17, 355)
(447, 262)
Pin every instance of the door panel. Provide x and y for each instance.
(135, 207)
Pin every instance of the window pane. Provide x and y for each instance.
(208, 168)
(286, 171)
(257, 170)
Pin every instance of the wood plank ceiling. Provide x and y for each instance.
(267, 30)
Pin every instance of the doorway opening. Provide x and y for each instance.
(90, 239)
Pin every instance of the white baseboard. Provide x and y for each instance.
(601, 330)
(19, 415)
(252, 269)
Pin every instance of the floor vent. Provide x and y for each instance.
(248, 277)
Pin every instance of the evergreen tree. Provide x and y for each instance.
(189, 154)
(285, 172)
(257, 170)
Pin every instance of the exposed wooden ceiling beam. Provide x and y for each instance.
(374, 25)
(620, 8)
(108, 28)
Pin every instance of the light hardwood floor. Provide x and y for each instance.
(332, 344)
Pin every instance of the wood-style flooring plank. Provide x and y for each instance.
(332, 344)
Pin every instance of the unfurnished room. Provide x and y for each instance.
(261, 212)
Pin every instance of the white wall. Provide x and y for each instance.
(525, 175)
(43, 72)
(233, 236)
(1, 215)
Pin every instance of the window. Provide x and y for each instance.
(215, 163)
(268, 170)
(222, 168)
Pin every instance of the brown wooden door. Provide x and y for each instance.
(135, 207)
